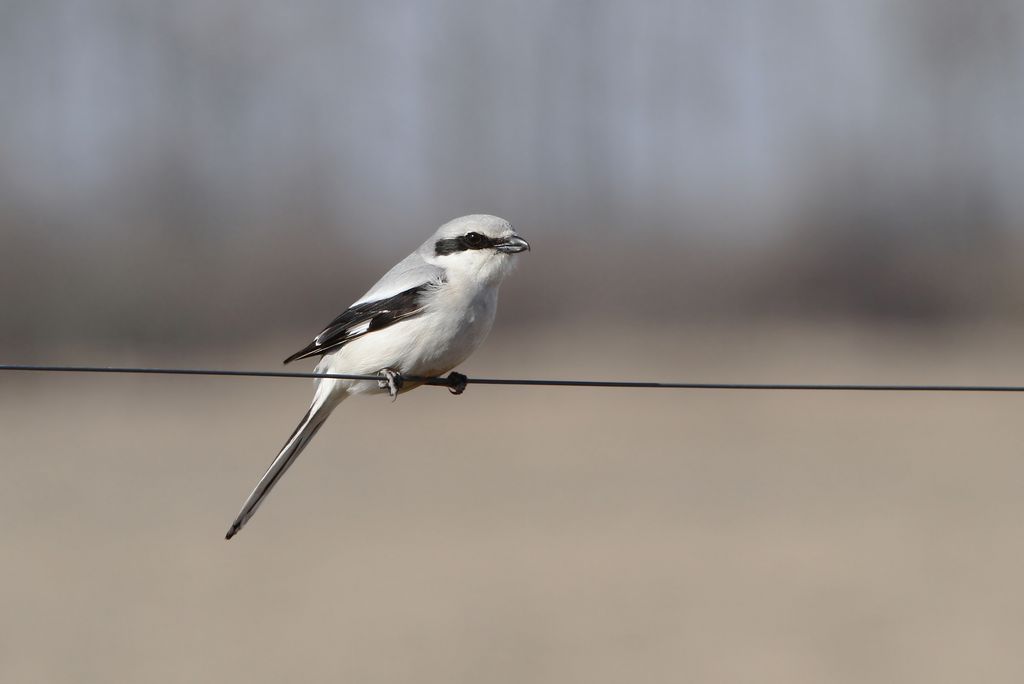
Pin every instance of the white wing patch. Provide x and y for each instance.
(359, 329)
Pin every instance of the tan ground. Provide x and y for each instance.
(519, 535)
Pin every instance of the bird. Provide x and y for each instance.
(420, 320)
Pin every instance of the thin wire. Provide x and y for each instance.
(446, 382)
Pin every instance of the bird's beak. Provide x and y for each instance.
(513, 245)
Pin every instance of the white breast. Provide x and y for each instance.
(454, 322)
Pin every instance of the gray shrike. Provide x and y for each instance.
(423, 318)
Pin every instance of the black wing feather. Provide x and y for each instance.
(365, 318)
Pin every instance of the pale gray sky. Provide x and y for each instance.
(382, 116)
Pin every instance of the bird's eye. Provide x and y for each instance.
(474, 239)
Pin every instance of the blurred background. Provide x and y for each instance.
(715, 191)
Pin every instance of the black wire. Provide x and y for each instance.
(446, 382)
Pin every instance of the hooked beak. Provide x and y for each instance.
(513, 245)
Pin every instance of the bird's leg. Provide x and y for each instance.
(457, 383)
(391, 381)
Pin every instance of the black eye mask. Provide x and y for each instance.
(464, 243)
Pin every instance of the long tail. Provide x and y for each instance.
(303, 435)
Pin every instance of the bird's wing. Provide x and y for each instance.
(365, 317)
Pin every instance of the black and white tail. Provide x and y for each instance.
(303, 435)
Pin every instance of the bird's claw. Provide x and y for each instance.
(457, 383)
(391, 381)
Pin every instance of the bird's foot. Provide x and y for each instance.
(391, 381)
(457, 383)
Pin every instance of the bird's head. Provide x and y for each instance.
(478, 244)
